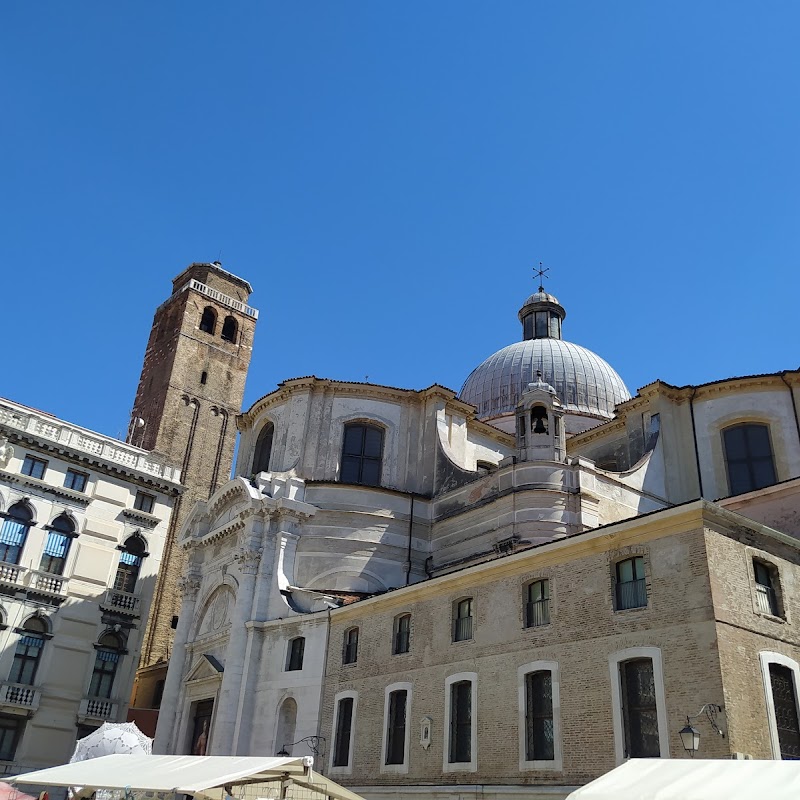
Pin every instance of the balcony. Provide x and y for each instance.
(98, 708)
(16, 697)
(121, 602)
(46, 583)
(11, 574)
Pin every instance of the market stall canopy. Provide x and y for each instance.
(695, 779)
(196, 775)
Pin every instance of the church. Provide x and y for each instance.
(505, 591)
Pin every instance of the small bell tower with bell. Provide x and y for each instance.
(540, 427)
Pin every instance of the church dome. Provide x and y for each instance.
(585, 384)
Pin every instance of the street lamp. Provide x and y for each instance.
(316, 744)
(690, 736)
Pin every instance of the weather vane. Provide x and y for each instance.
(541, 275)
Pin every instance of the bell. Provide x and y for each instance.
(539, 427)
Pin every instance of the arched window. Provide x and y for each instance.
(208, 322)
(294, 657)
(54, 558)
(748, 455)
(12, 535)
(109, 650)
(28, 652)
(229, 329)
(362, 454)
(130, 562)
(287, 721)
(350, 652)
(263, 449)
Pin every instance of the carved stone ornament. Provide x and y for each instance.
(425, 730)
(189, 586)
(6, 451)
(248, 560)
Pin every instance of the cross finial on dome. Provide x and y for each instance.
(540, 273)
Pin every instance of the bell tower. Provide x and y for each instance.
(190, 390)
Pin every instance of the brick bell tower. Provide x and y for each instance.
(190, 390)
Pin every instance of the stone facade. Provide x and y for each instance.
(190, 391)
(90, 514)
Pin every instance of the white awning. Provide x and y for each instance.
(196, 775)
(695, 779)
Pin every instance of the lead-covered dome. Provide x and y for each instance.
(585, 384)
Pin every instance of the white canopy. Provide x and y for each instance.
(695, 779)
(196, 775)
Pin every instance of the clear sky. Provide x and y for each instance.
(387, 174)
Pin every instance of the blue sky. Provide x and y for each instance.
(387, 174)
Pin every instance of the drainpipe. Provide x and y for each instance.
(694, 437)
(321, 766)
(410, 529)
(794, 404)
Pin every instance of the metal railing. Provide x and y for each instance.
(537, 612)
(20, 695)
(462, 629)
(767, 600)
(631, 594)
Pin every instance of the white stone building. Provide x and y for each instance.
(82, 524)
(345, 491)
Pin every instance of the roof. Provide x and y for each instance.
(695, 779)
(584, 382)
(197, 775)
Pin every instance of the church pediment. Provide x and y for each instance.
(205, 667)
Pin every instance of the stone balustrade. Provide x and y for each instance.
(65, 435)
(20, 695)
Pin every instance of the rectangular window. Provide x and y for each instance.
(539, 731)
(34, 467)
(537, 606)
(10, 730)
(296, 648)
(461, 722)
(640, 718)
(144, 502)
(105, 668)
(786, 711)
(462, 624)
(765, 591)
(76, 481)
(748, 454)
(631, 589)
(350, 652)
(402, 634)
(344, 722)
(396, 729)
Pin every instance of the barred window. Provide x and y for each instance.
(639, 712)
(787, 714)
(462, 622)
(539, 731)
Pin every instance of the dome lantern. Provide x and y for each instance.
(541, 316)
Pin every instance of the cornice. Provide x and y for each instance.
(78, 498)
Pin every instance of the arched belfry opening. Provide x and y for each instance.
(540, 433)
(229, 329)
(208, 320)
